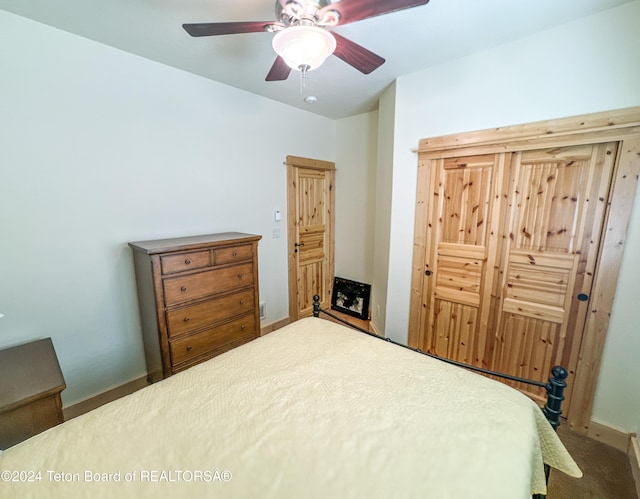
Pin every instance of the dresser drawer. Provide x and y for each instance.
(185, 261)
(207, 283)
(232, 255)
(186, 349)
(199, 315)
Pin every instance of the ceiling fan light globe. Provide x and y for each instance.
(302, 46)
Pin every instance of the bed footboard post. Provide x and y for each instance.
(555, 395)
(316, 306)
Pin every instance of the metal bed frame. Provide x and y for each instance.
(554, 387)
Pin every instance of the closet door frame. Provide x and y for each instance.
(622, 126)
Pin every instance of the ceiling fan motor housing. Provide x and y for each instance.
(309, 13)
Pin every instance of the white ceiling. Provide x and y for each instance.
(409, 40)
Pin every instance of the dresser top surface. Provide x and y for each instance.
(192, 242)
(28, 371)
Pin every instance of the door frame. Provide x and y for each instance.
(622, 126)
(292, 265)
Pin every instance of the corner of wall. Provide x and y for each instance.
(382, 228)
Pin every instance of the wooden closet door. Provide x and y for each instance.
(555, 215)
(462, 247)
(511, 249)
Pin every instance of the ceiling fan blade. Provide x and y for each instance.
(356, 55)
(279, 71)
(356, 10)
(212, 29)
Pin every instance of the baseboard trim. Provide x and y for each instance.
(91, 403)
(374, 329)
(634, 460)
(610, 436)
(270, 328)
(625, 442)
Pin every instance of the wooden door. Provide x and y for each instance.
(511, 248)
(462, 233)
(557, 204)
(311, 220)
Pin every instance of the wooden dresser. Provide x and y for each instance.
(198, 298)
(30, 394)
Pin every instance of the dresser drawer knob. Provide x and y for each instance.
(187, 262)
(189, 348)
(243, 327)
(186, 319)
(235, 253)
(183, 289)
(242, 302)
(239, 276)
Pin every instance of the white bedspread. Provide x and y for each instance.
(313, 410)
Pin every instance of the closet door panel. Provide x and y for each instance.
(461, 242)
(550, 194)
(552, 221)
(455, 334)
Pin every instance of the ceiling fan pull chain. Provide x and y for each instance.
(303, 77)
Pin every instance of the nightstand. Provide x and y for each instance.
(29, 392)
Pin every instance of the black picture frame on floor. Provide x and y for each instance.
(351, 297)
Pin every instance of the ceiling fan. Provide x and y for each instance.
(302, 40)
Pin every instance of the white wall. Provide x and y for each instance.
(586, 66)
(384, 182)
(617, 401)
(356, 154)
(99, 147)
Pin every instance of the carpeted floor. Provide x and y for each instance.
(607, 472)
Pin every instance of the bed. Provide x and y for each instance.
(311, 410)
